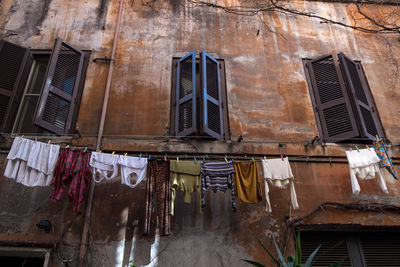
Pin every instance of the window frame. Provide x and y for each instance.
(225, 111)
(11, 124)
(343, 81)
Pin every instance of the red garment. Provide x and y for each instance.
(72, 170)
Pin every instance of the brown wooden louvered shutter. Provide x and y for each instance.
(211, 97)
(333, 248)
(332, 102)
(57, 101)
(185, 99)
(381, 249)
(363, 103)
(15, 62)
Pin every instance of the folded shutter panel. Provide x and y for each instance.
(15, 62)
(57, 101)
(211, 103)
(332, 101)
(185, 104)
(356, 82)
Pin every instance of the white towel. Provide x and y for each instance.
(278, 173)
(131, 165)
(364, 164)
(105, 165)
(31, 163)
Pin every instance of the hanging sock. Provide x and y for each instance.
(158, 183)
(279, 173)
(104, 165)
(185, 178)
(385, 160)
(364, 164)
(130, 165)
(31, 163)
(217, 176)
(247, 182)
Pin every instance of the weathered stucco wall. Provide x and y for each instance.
(268, 101)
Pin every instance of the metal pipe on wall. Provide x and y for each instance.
(88, 212)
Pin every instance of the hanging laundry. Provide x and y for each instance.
(104, 165)
(364, 164)
(31, 163)
(217, 176)
(132, 165)
(278, 173)
(185, 178)
(247, 182)
(385, 160)
(72, 171)
(158, 183)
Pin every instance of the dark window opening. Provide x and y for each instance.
(343, 104)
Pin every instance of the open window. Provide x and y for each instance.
(40, 91)
(342, 100)
(199, 100)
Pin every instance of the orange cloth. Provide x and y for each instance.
(247, 182)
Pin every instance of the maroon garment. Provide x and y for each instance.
(158, 182)
(72, 171)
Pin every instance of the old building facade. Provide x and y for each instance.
(276, 84)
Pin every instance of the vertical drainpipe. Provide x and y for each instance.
(85, 230)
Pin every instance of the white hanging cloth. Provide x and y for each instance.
(31, 163)
(364, 164)
(278, 173)
(130, 165)
(105, 165)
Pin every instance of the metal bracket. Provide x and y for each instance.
(103, 59)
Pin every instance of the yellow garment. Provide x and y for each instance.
(247, 182)
(185, 178)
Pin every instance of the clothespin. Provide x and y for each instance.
(307, 158)
(73, 148)
(67, 146)
(195, 160)
(35, 139)
(149, 157)
(282, 157)
(100, 152)
(177, 159)
(351, 149)
(330, 161)
(22, 136)
(85, 149)
(112, 154)
(252, 158)
(265, 157)
(204, 158)
(125, 154)
(357, 149)
(226, 160)
(48, 142)
(140, 156)
(367, 147)
(165, 157)
(233, 160)
(377, 137)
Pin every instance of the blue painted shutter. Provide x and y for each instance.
(332, 101)
(57, 101)
(211, 97)
(185, 102)
(363, 103)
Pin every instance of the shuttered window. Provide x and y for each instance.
(362, 249)
(342, 100)
(56, 100)
(199, 98)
